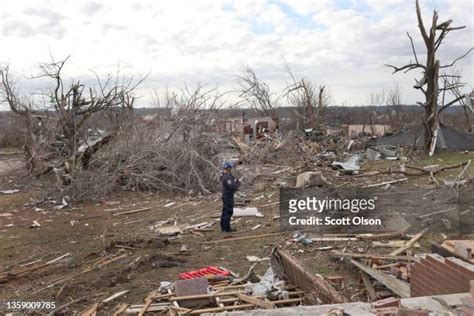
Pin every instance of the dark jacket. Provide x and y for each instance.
(229, 184)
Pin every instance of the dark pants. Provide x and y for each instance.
(227, 211)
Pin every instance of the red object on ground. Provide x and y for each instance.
(204, 272)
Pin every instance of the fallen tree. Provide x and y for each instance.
(177, 152)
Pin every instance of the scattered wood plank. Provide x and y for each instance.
(370, 256)
(235, 299)
(317, 289)
(392, 244)
(289, 300)
(148, 302)
(91, 311)
(114, 296)
(382, 235)
(399, 287)
(373, 185)
(263, 303)
(155, 307)
(436, 213)
(368, 286)
(120, 309)
(77, 300)
(17, 273)
(409, 243)
(103, 262)
(220, 309)
(386, 266)
(145, 209)
(210, 295)
(244, 237)
(333, 239)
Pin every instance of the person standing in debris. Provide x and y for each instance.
(230, 184)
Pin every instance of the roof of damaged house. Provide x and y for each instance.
(448, 138)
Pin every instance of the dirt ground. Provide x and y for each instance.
(91, 234)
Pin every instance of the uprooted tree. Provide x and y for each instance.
(429, 83)
(175, 152)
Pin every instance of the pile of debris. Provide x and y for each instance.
(177, 155)
(215, 289)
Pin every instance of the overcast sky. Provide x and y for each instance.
(342, 44)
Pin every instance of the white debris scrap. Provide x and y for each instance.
(248, 211)
(13, 191)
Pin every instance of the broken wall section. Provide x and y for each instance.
(432, 275)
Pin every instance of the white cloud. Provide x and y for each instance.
(309, 6)
(183, 41)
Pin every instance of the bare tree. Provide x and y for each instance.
(72, 106)
(258, 95)
(453, 85)
(304, 95)
(22, 107)
(75, 103)
(394, 107)
(429, 83)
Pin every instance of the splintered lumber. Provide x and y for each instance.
(373, 185)
(80, 299)
(299, 294)
(333, 239)
(120, 309)
(244, 237)
(148, 302)
(392, 244)
(263, 303)
(220, 309)
(399, 287)
(370, 256)
(155, 307)
(114, 296)
(134, 211)
(382, 235)
(12, 274)
(409, 243)
(210, 295)
(436, 213)
(368, 286)
(287, 301)
(316, 288)
(91, 311)
(98, 264)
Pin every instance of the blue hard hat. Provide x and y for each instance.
(228, 165)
